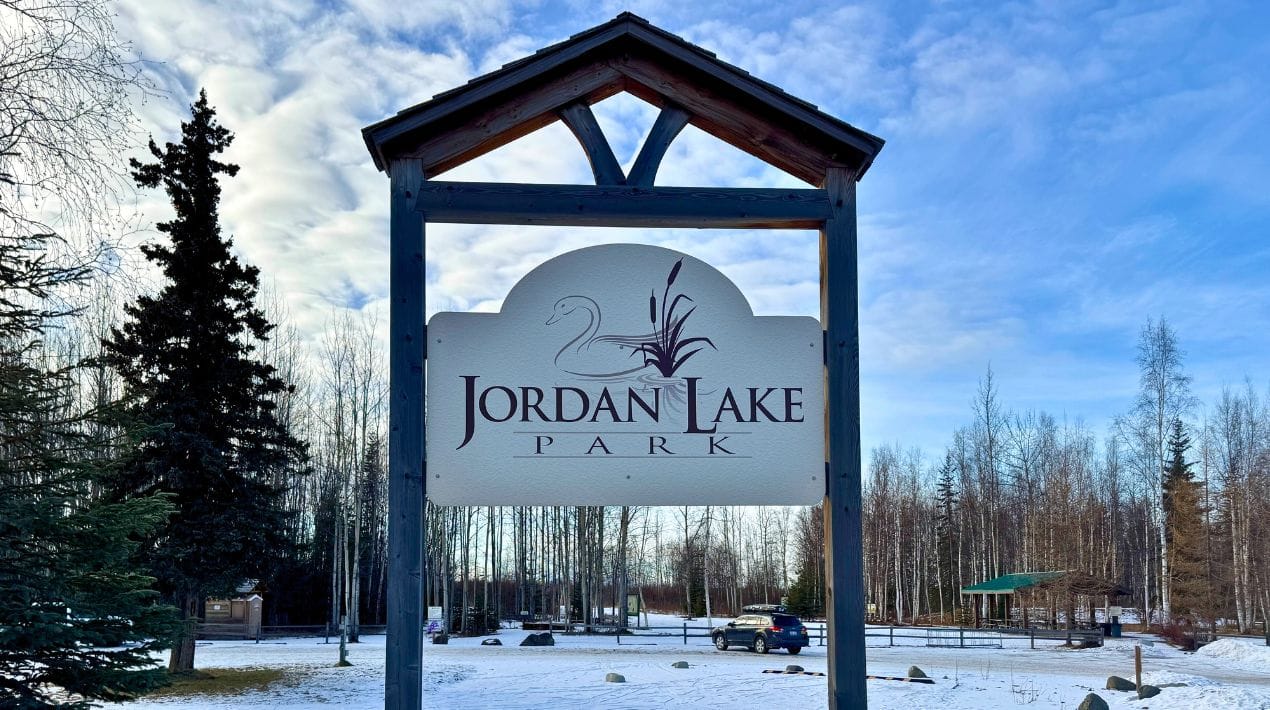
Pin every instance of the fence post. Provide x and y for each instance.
(1032, 638)
(1137, 665)
(685, 633)
(961, 638)
(891, 630)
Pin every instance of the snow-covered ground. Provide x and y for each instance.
(1234, 674)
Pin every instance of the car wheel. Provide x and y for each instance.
(720, 642)
(793, 650)
(760, 644)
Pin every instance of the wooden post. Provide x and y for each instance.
(1137, 665)
(839, 313)
(403, 686)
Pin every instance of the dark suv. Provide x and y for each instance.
(762, 632)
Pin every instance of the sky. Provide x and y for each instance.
(1055, 174)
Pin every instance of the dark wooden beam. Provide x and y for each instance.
(844, 558)
(471, 133)
(447, 105)
(578, 117)
(758, 92)
(622, 206)
(403, 684)
(749, 128)
(669, 123)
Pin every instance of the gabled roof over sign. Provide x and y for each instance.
(625, 54)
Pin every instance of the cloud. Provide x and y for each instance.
(1052, 175)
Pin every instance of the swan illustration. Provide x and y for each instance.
(589, 337)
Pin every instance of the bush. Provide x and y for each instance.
(1180, 633)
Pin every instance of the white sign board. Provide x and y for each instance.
(624, 375)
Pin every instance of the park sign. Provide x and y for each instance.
(624, 374)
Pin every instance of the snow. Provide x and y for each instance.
(1248, 653)
(571, 675)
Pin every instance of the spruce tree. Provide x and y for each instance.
(187, 359)
(1184, 530)
(70, 596)
(807, 593)
(945, 520)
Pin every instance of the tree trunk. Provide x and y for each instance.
(181, 659)
(620, 580)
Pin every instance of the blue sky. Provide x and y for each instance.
(1055, 174)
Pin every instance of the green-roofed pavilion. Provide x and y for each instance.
(1011, 583)
(1057, 589)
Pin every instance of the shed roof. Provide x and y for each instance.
(629, 54)
(1011, 583)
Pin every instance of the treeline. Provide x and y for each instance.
(1168, 503)
(1171, 503)
(1014, 491)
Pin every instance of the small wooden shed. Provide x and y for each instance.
(233, 618)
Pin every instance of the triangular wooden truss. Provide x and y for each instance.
(560, 82)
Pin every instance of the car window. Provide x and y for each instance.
(787, 620)
(763, 620)
(747, 621)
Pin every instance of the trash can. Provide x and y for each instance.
(1115, 629)
(1106, 628)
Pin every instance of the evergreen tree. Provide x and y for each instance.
(186, 356)
(946, 504)
(1184, 530)
(807, 593)
(69, 595)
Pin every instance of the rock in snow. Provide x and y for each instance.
(1147, 691)
(1092, 702)
(1115, 682)
(614, 678)
(915, 672)
(543, 639)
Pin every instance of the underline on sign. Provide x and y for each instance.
(639, 433)
(645, 456)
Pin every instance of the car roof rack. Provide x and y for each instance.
(760, 608)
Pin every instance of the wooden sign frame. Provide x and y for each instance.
(691, 86)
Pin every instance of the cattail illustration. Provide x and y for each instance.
(670, 280)
(666, 352)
